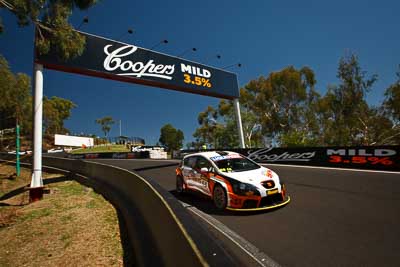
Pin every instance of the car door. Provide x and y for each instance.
(200, 179)
(188, 170)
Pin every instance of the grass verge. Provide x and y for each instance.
(71, 226)
(101, 149)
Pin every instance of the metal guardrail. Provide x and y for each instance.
(160, 231)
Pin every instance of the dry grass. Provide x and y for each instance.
(101, 149)
(71, 226)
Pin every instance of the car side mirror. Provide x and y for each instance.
(204, 170)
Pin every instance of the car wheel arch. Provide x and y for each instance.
(225, 192)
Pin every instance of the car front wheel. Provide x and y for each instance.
(219, 197)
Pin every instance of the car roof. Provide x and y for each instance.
(210, 154)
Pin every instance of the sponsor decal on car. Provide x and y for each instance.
(232, 156)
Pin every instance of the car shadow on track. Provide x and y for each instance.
(155, 167)
(204, 204)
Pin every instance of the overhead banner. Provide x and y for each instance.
(114, 60)
(363, 157)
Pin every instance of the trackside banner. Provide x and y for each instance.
(366, 157)
(114, 60)
(112, 155)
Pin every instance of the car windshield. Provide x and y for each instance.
(234, 164)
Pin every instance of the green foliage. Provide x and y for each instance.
(15, 98)
(56, 110)
(391, 103)
(16, 104)
(378, 129)
(105, 124)
(292, 113)
(51, 21)
(344, 108)
(283, 99)
(205, 134)
(284, 102)
(391, 109)
(170, 137)
(297, 139)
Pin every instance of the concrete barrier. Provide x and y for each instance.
(152, 227)
(160, 231)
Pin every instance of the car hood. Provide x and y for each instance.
(254, 176)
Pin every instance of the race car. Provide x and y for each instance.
(231, 180)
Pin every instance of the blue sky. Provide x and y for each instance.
(264, 36)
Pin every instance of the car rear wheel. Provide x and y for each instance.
(179, 185)
(219, 197)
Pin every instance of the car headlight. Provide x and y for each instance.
(244, 189)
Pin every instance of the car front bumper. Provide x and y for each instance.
(265, 203)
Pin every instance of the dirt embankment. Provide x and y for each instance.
(71, 226)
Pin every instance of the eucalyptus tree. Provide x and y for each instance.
(15, 104)
(105, 124)
(345, 109)
(171, 137)
(51, 21)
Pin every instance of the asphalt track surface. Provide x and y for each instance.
(335, 218)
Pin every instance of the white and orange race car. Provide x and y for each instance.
(231, 180)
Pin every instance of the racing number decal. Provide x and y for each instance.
(204, 180)
(201, 180)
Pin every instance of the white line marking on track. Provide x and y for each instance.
(327, 168)
(258, 256)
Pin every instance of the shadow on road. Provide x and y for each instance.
(194, 199)
(22, 189)
(155, 167)
(206, 205)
